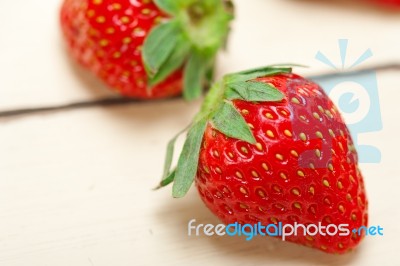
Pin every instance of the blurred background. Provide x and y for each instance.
(76, 186)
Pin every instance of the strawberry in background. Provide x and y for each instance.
(148, 49)
(270, 147)
(388, 3)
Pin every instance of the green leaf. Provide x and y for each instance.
(253, 91)
(189, 160)
(167, 180)
(159, 45)
(194, 75)
(255, 73)
(230, 122)
(174, 62)
(172, 7)
(170, 154)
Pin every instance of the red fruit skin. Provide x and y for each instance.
(106, 36)
(245, 183)
(389, 3)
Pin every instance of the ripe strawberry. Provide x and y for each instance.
(147, 49)
(270, 146)
(389, 3)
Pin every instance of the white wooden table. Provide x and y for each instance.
(76, 186)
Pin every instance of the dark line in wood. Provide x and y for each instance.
(125, 101)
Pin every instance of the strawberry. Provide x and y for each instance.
(388, 3)
(147, 49)
(269, 146)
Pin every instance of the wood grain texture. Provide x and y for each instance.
(76, 187)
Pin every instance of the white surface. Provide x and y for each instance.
(75, 187)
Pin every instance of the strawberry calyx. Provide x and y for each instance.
(189, 39)
(218, 111)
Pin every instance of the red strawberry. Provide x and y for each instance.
(270, 146)
(389, 3)
(147, 49)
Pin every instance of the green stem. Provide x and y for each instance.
(212, 101)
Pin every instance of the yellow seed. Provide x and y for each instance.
(254, 174)
(330, 166)
(297, 205)
(287, 133)
(312, 190)
(295, 100)
(339, 185)
(302, 117)
(146, 11)
(295, 192)
(329, 114)
(316, 116)
(279, 157)
(276, 188)
(100, 19)
(303, 136)
(319, 135)
(243, 206)
(216, 153)
(294, 153)
(300, 173)
(312, 166)
(270, 134)
(283, 176)
(340, 245)
(261, 193)
(245, 112)
(116, 6)
(206, 169)
(259, 146)
(125, 20)
(324, 248)
(284, 113)
(265, 166)
(326, 183)
(110, 30)
(331, 133)
(318, 153)
(341, 146)
(218, 170)
(126, 73)
(103, 42)
(97, 2)
(353, 217)
(360, 202)
(341, 208)
(309, 238)
(126, 40)
(269, 116)
(244, 150)
(320, 108)
(274, 220)
(117, 55)
(239, 175)
(250, 125)
(90, 13)
(243, 190)
(230, 154)
(348, 197)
